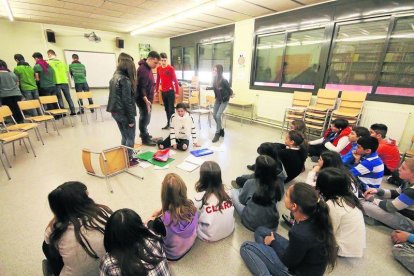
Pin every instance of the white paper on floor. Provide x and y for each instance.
(162, 168)
(144, 164)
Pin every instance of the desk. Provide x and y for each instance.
(243, 105)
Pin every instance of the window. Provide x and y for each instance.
(176, 62)
(356, 55)
(212, 54)
(188, 58)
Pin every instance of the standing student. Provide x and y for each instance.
(9, 91)
(356, 133)
(45, 77)
(78, 72)
(121, 102)
(169, 83)
(345, 211)
(27, 81)
(177, 220)
(131, 249)
(145, 94)
(216, 210)
(403, 249)
(256, 201)
(61, 80)
(223, 93)
(311, 246)
(181, 128)
(74, 237)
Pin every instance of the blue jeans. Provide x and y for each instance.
(144, 120)
(218, 110)
(127, 132)
(32, 95)
(64, 87)
(236, 202)
(262, 259)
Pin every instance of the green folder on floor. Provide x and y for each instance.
(147, 156)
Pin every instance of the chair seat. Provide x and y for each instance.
(92, 106)
(318, 115)
(324, 109)
(314, 126)
(57, 111)
(24, 127)
(345, 114)
(41, 118)
(12, 136)
(315, 122)
(294, 116)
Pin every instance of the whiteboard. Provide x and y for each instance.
(100, 67)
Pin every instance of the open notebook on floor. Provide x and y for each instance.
(190, 163)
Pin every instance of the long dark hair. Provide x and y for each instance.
(308, 200)
(131, 243)
(271, 150)
(71, 205)
(126, 66)
(210, 181)
(219, 77)
(334, 184)
(266, 174)
(299, 140)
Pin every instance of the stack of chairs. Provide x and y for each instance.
(350, 107)
(301, 101)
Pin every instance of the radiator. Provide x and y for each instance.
(396, 121)
(270, 108)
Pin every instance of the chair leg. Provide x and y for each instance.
(54, 124)
(39, 135)
(31, 146)
(47, 131)
(27, 150)
(70, 120)
(14, 149)
(5, 156)
(5, 167)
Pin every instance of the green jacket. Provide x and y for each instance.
(25, 74)
(61, 70)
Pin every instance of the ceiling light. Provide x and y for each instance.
(8, 10)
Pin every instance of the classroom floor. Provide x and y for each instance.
(25, 212)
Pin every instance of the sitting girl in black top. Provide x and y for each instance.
(311, 246)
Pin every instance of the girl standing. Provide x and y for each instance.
(223, 93)
(177, 220)
(216, 219)
(311, 246)
(131, 248)
(181, 128)
(9, 91)
(74, 237)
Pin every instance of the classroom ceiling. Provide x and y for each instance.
(128, 15)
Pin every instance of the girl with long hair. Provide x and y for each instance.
(177, 220)
(216, 210)
(256, 201)
(311, 246)
(223, 93)
(74, 237)
(121, 102)
(345, 211)
(131, 248)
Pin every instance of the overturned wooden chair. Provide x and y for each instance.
(112, 161)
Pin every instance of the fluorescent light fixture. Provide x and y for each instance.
(8, 10)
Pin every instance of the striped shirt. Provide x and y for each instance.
(182, 128)
(399, 200)
(369, 171)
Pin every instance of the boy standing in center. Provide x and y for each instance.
(166, 74)
(78, 72)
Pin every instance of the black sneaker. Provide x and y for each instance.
(166, 127)
(222, 132)
(216, 137)
(71, 114)
(148, 142)
(251, 167)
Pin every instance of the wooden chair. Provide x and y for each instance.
(86, 96)
(317, 116)
(194, 100)
(301, 101)
(5, 112)
(35, 104)
(350, 107)
(206, 109)
(53, 100)
(410, 152)
(112, 161)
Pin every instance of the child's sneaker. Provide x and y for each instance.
(133, 162)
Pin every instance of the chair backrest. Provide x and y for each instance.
(87, 161)
(326, 98)
(193, 100)
(116, 160)
(48, 99)
(27, 105)
(83, 95)
(210, 100)
(352, 102)
(301, 99)
(5, 111)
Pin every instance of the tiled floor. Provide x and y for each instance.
(24, 210)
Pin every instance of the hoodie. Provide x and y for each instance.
(146, 83)
(389, 153)
(180, 237)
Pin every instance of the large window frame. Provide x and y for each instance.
(181, 72)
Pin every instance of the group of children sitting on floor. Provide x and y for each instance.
(326, 213)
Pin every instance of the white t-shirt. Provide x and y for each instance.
(349, 229)
(214, 225)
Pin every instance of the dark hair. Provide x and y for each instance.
(361, 131)
(211, 183)
(219, 77)
(154, 54)
(182, 105)
(131, 244)
(340, 123)
(306, 197)
(75, 56)
(271, 150)
(37, 55)
(51, 52)
(71, 205)
(163, 55)
(18, 57)
(126, 66)
(368, 143)
(380, 129)
(300, 142)
(3, 65)
(334, 185)
(266, 174)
